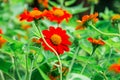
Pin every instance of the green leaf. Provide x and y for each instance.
(17, 47)
(75, 76)
(45, 77)
(68, 3)
(5, 65)
(53, 3)
(76, 9)
(83, 58)
(8, 39)
(98, 77)
(38, 51)
(85, 45)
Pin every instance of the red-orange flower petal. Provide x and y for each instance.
(30, 16)
(116, 17)
(1, 31)
(115, 68)
(56, 38)
(95, 41)
(2, 41)
(86, 18)
(57, 15)
(26, 16)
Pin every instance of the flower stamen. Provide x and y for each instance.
(58, 13)
(56, 39)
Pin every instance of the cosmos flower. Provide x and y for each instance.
(85, 19)
(95, 41)
(57, 39)
(30, 16)
(115, 68)
(57, 15)
(43, 2)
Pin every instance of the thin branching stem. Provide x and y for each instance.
(92, 9)
(60, 63)
(73, 60)
(2, 76)
(83, 69)
(107, 34)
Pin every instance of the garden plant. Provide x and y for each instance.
(59, 40)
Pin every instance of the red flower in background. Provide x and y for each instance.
(57, 15)
(115, 68)
(1, 31)
(26, 16)
(30, 16)
(95, 41)
(2, 40)
(85, 18)
(57, 39)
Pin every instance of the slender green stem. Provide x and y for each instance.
(27, 70)
(2, 76)
(103, 74)
(73, 60)
(32, 62)
(110, 54)
(92, 9)
(16, 66)
(94, 48)
(51, 49)
(62, 3)
(10, 76)
(108, 34)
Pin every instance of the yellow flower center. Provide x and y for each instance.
(58, 12)
(35, 13)
(56, 39)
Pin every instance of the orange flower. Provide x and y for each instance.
(95, 41)
(35, 13)
(115, 68)
(43, 2)
(57, 15)
(30, 16)
(57, 39)
(85, 19)
(116, 17)
(2, 41)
